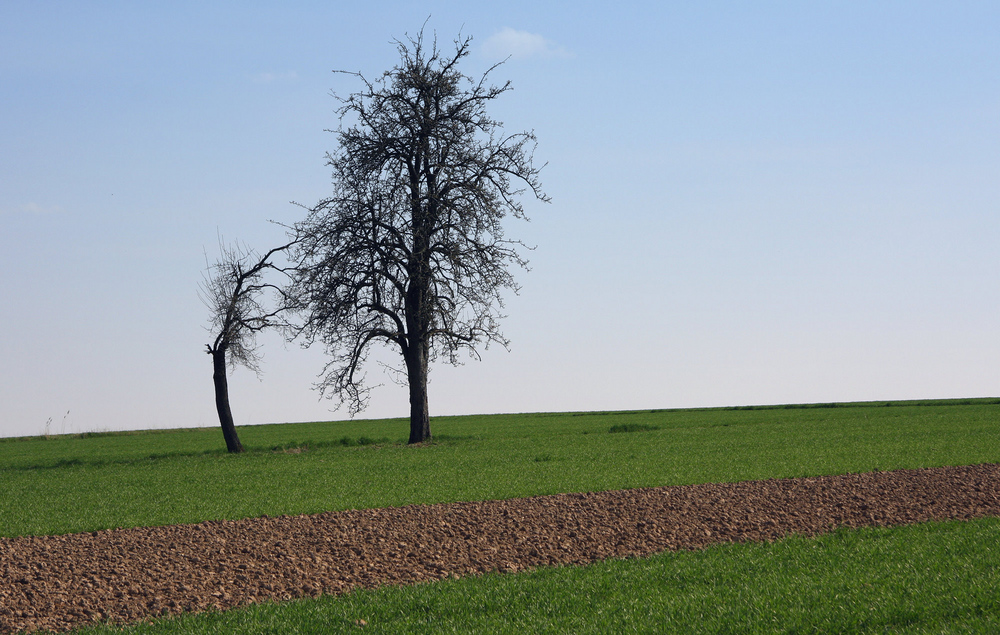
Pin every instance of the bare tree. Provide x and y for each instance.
(233, 292)
(409, 249)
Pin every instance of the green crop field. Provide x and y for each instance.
(941, 579)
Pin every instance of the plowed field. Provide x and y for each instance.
(121, 575)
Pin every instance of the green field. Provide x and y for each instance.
(86, 482)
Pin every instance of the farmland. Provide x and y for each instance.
(101, 481)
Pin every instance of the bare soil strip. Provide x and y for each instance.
(122, 575)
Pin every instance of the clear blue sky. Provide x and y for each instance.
(753, 202)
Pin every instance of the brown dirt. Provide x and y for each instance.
(58, 582)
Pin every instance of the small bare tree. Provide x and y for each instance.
(409, 249)
(233, 290)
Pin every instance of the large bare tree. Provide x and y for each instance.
(234, 292)
(409, 250)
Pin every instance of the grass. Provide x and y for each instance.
(72, 483)
(632, 427)
(931, 578)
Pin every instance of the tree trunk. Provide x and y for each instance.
(222, 401)
(416, 373)
(417, 322)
